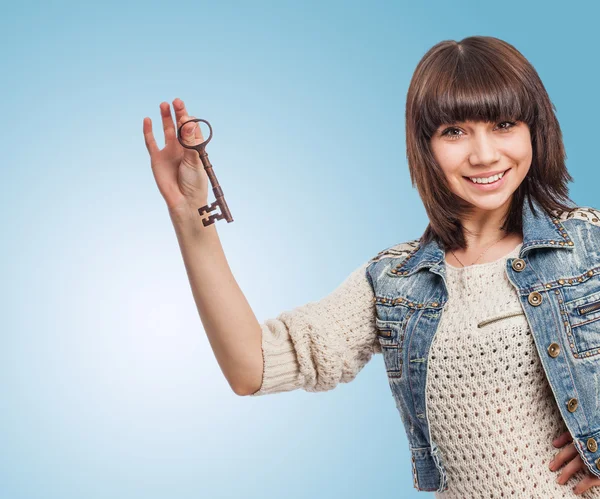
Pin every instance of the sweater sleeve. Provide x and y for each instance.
(323, 343)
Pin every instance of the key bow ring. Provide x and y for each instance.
(218, 192)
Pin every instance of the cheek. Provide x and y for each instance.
(523, 161)
(518, 151)
(525, 152)
(449, 159)
(522, 148)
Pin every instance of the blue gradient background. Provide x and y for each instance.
(109, 387)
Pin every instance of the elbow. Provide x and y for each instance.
(243, 391)
(248, 384)
(244, 388)
(239, 391)
(236, 387)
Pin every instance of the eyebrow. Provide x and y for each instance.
(450, 123)
(456, 122)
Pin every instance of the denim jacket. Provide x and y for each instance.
(557, 278)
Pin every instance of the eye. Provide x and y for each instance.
(447, 131)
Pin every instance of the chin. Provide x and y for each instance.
(490, 203)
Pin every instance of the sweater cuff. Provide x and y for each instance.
(281, 371)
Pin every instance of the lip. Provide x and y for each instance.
(490, 187)
(486, 175)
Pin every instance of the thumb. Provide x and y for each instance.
(190, 135)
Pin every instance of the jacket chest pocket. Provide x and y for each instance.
(583, 324)
(390, 335)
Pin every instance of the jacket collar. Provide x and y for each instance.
(539, 231)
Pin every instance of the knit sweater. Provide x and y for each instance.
(490, 408)
(322, 343)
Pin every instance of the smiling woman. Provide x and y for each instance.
(486, 362)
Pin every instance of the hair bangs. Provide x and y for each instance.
(476, 90)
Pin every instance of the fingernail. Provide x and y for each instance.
(190, 129)
(551, 465)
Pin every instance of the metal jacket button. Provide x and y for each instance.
(534, 298)
(592, 445)
(598, 463)
(553, 350)
(518, 264)
(572, 405)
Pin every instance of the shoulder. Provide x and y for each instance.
(588, 214)
(397, 250)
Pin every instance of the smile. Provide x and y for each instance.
(487, 184)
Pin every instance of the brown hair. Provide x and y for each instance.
(481, 78)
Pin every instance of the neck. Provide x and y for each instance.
(482, 227)
(491, 251)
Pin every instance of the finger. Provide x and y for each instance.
(167, 121)
(149, 137)
(180, 111)
(181, 116)
(570, 469)
(189, 135)
(562, 439)
(565, 454)
(186, 132)
(587, 482)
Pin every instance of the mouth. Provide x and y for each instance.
(491, 185)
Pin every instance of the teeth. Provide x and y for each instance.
(488, 180)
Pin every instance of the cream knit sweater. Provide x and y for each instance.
(490, 407)
(322, 343)
(491, 410)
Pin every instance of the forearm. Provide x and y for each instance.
(230, 324)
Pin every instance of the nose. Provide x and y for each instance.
(483, 149)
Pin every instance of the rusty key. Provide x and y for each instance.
(218, 192)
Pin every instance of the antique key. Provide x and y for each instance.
(218, 192)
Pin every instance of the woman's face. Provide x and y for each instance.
(479, 149)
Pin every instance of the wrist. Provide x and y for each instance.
(186, 213)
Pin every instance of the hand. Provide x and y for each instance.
(569, 455)
(178, 171)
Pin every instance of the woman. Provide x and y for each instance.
(489, 324)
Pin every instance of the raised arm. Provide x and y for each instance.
(314, 346)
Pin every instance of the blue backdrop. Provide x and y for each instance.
(108, 385)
